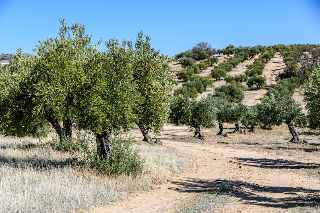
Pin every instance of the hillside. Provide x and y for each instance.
(6, 58)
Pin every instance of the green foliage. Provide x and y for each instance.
(201, 51)
(102, 91)
(218, 73)
(211, 61)
(285, 87)
(185, 75)
(196, 69)
(193, 113)
(278, 106)
(227, 112)
(231, 92)
(250, 117)
(180, 110)
(202, 65)
(312, 92)
(258, 81)
(229, 50)
(238, 78)
(191, 92)
(78, 143)
(274, 110)
(126, 160)
(18, 115)
(187, 62)
(153, 84)
(259, 64)
(205, 81)
(197, 85)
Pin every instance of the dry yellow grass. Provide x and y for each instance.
(35, 178)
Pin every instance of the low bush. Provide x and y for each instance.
(259, 81)
(211, 61)
(126, 160)
(218, 73)
(187, 62)
(202, 65)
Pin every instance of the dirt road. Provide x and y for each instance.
(260, 176)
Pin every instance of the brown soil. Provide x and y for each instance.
(262, 172)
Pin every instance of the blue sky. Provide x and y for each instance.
(174, 26)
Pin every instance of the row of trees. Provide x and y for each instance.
(241, 54)
(71, 82)
(276, 107)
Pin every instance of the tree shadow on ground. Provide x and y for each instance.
(279, 147)
(276, 163)
(249, 192)
(26, 146)
(38, 163)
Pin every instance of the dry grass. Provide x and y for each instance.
(206, 203)
(35, 178)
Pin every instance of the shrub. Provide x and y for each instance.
(218, 73)
(259, 81)
(229, 79)
(78, 143)
(187, 62)
(231, 92)
(126, 160)
(196, 69)
(183, 75)
(211, 61)
(202, 65)
(241, 78)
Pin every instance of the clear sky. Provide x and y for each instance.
(174, 26)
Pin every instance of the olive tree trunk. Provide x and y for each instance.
(67, 126)
(237, 128)
(295, 136)
(145, 133)
(220, 129)
(104, 142)
(198, 133)
(252, 129)
(51, 117)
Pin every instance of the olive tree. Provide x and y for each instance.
(259, 81)
(196, 114)
(312, 92)
(231, 92)
(48, 83)
(153, 83)
(275, 110)
(227, 112)
(250, 119)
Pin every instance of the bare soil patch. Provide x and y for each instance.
(262, 172)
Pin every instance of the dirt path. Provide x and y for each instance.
(262, 178)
